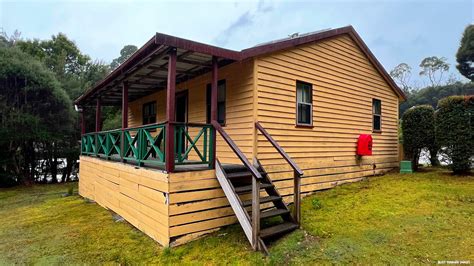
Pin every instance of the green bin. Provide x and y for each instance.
(405, 167)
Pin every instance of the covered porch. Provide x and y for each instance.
(160, 170)
(173, 143)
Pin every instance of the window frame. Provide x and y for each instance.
(149, 115)
(298, 124)
(374, 114)
(223, 102)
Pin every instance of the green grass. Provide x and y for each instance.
(396, 219)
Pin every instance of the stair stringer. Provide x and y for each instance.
(234, 201)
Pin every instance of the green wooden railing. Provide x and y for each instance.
(88, 144)
(146, 144)
(192, 143)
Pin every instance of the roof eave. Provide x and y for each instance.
(137, 56)
(273, 47)
(172, 41)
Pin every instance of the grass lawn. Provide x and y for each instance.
(397, 219)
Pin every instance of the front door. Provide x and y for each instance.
(181, 117)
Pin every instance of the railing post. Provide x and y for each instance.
(204, 147)
(107, 145)
(139, 146)
(170, 112)
(255, 213)
(144, 143)
(96, 143)
(178, 140)
(297, 196)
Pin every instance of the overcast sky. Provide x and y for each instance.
(395, 31)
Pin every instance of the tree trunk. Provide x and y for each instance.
(415, 159)
(434, 157)
(53, 166)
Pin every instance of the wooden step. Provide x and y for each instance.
(278, 229)
(262, 200)
(241, 174)
(273, 213)
(232, 168)
(238, 174)
(248, 188)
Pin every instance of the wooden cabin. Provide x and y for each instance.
(212, 136)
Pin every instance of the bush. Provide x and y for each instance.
(455, 130)
(418, 132)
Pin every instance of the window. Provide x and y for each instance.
(304, 103)
(221, 95)
(149, 113)
(377, 115)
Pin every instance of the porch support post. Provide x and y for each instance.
(83, 122)
(98, 121)
(215, 74)
(124, 118)
(170, 112)
(125, 105)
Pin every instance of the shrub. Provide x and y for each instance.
(418, 132)
(455, 130)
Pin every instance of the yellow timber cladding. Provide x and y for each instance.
(239, 107)
(344, 83)
(263, 89)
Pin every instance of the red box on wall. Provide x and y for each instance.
(364, 145)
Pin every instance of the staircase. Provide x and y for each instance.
(253, 197)
(275, 217)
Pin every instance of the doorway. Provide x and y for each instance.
(181, 117)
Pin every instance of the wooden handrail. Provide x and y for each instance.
(236, 150)
(146, 126)
(127, 129)
(150, 125)
(255, 184)
(279, 149)
(297, 173)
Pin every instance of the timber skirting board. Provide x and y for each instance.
(176, 208)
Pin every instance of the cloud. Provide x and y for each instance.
(395, 31)
(243, 21)
(261, 7)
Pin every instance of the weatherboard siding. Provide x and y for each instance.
(344, 83)
(239, 107)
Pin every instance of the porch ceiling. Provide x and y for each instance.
(147, 70)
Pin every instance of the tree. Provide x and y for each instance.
(434, 67)
(431, 95)
(76, 73)
(63, 57)
(32, 103)
(8, 41)
(418, 132)
(125, 53)
(465, 54)
(59, 54)
(455, 131)
(402, 74)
